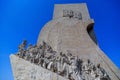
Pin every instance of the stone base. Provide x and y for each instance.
(24, 70)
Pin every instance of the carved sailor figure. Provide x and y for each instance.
(21, 51)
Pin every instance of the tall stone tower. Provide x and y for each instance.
(66, 33)
(70, 31)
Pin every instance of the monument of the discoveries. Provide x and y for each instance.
(66, 50)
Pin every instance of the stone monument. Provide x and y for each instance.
(66, 50)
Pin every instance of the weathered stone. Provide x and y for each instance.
(70, 34)
(66, 49)
(24, 70)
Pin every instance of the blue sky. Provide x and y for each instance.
(23, 19)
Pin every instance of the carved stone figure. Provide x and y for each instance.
(21, 51)
(79, 16)
(65, 13)
(72, 14)
(63, 64)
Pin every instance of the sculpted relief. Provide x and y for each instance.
(66, 65)
(72, 14)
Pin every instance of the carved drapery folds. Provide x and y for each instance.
(66, 65)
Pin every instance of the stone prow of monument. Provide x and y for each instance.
(24, 70)
(70, 31)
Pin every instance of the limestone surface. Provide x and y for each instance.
(64, 64)
(24, 70)
(68, 32)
